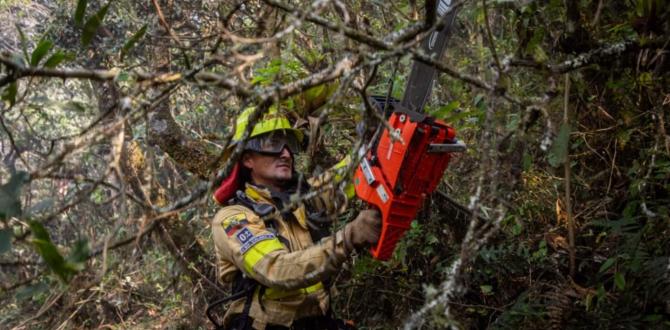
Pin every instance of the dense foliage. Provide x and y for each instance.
(114, 117)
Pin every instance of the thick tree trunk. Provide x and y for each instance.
(191, 155)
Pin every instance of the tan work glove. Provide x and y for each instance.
(364, 230)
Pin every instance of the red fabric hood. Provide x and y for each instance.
(228, 186)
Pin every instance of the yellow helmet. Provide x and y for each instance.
(271, 121)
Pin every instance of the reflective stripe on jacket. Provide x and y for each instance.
(281, 257)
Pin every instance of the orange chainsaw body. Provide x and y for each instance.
(398, 173)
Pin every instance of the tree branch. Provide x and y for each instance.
(20, 71)
(594, 56)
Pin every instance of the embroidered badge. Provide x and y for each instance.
(254, 240)
(244, 236)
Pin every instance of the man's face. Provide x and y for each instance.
(270, 170)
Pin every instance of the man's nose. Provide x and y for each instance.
(285, 153)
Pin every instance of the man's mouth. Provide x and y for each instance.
(286, 165)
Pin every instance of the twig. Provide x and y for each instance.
(80, 178)
(117, 145)
(21, 71)
(492, 46)
(187, 262)
(392, 43)
(461, 208)
(23, 282)
(44, 308)
(12, 141)
(596, 17)
(164, 23)
(566, 166)
(400, 295)
(591, 57)
(482, 306)
(396, 48)
(81, 304)
(609, 182)
(153, 223)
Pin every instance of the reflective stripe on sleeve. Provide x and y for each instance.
(274, 294)
(253, 254)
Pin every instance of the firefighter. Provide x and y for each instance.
(278, 258)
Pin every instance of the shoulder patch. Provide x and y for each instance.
(234, 223)
(244, 236)
(248, 240)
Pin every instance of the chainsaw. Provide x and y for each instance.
(408, 160)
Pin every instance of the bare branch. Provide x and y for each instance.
(594, 56)
(20, 71)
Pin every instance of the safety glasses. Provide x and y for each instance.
(273, 143)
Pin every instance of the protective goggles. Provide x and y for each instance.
(273, 143)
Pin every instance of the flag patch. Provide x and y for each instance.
(234, 223)
(234, 226)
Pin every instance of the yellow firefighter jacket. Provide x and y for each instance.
(280, 255)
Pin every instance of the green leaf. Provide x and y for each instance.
(607, 265)
(31, 290)
(24, 42)
(122, 76)
(639, 8)
(73, 106)
(653, 318)
(133, 40)
(56, 59)
(462, 115)
(10, 195)
(559, 150)
(588, 301)
(446, 110)
(16, 183)
(619, 281)
(92, 25)
(477, 100)
(42, 49)
(9, 94)
(527, 161)
(486, 289)
(77, 257)
(431, 239)
(79, 12)
(5, 240)
(48, 251)
(539, 54)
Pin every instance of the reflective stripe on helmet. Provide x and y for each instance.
(272, 120)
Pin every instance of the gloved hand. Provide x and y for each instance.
(364, 230)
